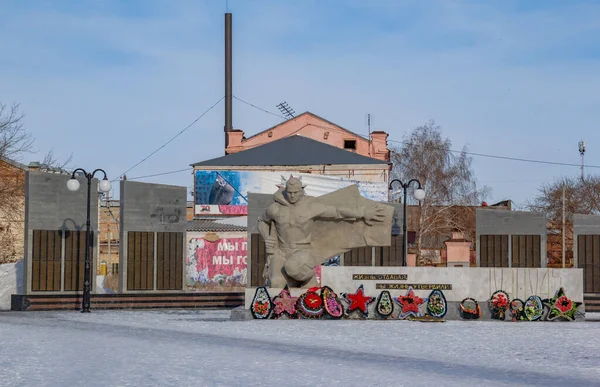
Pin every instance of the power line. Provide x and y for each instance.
(172, 138)
(160, 174)
(452, 150)
(509, 158)
(261, 109)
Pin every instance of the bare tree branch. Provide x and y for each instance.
(14, 139)
(448, 179)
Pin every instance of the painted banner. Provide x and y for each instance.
(226, 192)
(217, 263)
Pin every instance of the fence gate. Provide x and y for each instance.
(588, 258)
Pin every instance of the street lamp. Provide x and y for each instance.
(419, 194)
(73, 185)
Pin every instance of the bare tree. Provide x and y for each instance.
(51, 161)
(15, 142)
(580, 197)
(448, 179)
(14, 139)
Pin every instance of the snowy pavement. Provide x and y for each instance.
(203, 348)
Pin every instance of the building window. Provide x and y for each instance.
(350, 144)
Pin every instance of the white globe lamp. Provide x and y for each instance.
(105, 185)
(419, 194)
(73, 184)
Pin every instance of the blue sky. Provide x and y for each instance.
(111, 81)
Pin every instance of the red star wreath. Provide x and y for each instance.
(284, 303)
(410, 304)
(561, 306)
(359, 301)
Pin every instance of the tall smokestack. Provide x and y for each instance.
(228, 79)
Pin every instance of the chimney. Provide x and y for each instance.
(228, 80)
(34, 166)
(379, 146)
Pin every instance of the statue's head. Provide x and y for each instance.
(293, 190)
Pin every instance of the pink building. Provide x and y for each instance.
(312, 126)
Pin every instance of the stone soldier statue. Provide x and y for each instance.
(287, 228)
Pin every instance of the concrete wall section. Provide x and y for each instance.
(148, 207)
(49, 205)
(478, 283)
(586, 224)
(502, 222)
(153, 207)
(583, 225)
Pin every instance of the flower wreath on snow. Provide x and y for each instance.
(310, 304)
(499, 303)
(284, 304)
(562, 306)
(331, 303)
(534, 308)
(517, 310)
(261, 303)
(469, 309)
(358, 301)
(436, 304)
(410, 303)
(385, 304)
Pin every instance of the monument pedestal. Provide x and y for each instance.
(455, 283)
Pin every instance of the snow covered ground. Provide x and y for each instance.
(203, 348)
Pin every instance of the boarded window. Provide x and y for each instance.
(140, 260)
(169, 261)
(258, 257)
(390, 255)
(46, 260)
(75, 259)
(493, 251)
(362, 256)
(526, 251)
(588, 259)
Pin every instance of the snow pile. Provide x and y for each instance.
(11, 282)
(101, 287)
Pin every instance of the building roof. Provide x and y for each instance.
(290, 151)
(14, 163)
(304, 114)
(207, 225)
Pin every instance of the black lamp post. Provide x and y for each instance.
(419, 195)
(73, 185)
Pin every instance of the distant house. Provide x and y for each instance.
(12, 206)
(221, 185)
(317, 128)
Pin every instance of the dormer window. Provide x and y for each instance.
(350, 144)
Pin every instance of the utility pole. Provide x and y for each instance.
(582, 154)
(369, 126)
(109, 230)
(563, 226)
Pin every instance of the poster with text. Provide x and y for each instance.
(220, 263)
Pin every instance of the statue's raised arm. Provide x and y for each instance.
(374, 213)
